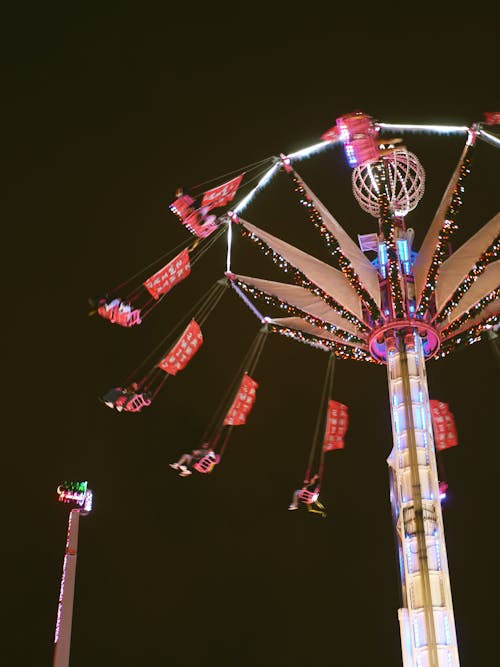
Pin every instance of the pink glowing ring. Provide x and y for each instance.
(430, 338)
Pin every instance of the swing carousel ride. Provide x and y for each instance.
(379, 301)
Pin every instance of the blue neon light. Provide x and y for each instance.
(404, 254)
(351, 157)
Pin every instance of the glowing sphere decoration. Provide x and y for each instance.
(406, 184)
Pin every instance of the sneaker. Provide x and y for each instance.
(293, 507)
(175, 466)
(185, 473)
(109, 404)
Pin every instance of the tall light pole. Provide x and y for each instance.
(80, 497)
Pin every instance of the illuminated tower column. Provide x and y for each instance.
(77, 493)
(426, 618)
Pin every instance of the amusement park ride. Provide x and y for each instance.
(402, 308)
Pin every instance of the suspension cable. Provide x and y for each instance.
(203, 306)
(169, 253)
(248, 365)
(198, 252)
(234, 171)
(325, 395)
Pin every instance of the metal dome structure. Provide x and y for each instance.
(406, 184)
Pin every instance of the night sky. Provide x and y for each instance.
(108, 112)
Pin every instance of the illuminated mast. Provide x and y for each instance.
(389, 187)
(78, 495)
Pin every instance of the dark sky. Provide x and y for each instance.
(107, 113)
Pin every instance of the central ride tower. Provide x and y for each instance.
(388, 184)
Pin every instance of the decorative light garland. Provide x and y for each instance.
(472, 312)
(272, 300)
(489, 255)
(301, 279)
(469, 337)
(342, 351)
(334, 246)
(446, 232)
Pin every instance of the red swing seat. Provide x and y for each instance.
(110, 314)
(134, 318)
(308, 497)
(128, 318)
(137, 403)
(123, 318)
(206, 464)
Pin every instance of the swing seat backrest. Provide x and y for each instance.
(137, 403)
(307, 497)
(206, 464)
(134, 318)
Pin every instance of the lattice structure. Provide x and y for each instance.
(406, 179)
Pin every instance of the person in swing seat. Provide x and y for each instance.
(118, 397)
(316, 506)
(112, 398)
(186, 461)
(132, 394)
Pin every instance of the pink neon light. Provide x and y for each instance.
(67, 496)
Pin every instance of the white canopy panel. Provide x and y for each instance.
(426, 253)
(330, 280)
(491, 309)
(302, 299)
(488, 281)
(362, 266)
(299, 324)
(453, 271)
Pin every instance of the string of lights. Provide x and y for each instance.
(491, 254)
(449, 226)
(472, 312)
(301, 279)
(341, 351)
(334, 246)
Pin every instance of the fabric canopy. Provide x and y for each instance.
(491, 309)
(298, 324)
(453, 271)
(303, 299)
(488, 281)
(426, 253)
(330, 280)
(362, 266)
